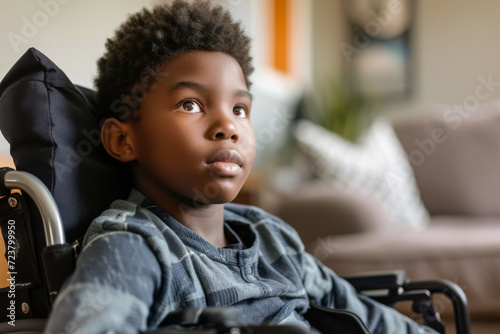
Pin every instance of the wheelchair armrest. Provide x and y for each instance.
(397, 288)
(377, 280)
(455, 294)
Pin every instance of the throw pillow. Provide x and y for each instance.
(376, 166)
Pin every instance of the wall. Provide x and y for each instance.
(454, 44)
(71, 32)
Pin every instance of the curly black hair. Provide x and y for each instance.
(149, 38)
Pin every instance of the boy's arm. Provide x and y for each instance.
(326, 288)
(112, 288)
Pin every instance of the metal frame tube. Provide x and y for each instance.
(454, 293)
(36, 189)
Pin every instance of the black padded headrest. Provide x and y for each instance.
(53, 131)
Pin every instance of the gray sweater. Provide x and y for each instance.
(138, 264)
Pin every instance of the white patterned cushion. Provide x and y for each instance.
(377, 166)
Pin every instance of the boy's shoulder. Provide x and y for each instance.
(125, 216)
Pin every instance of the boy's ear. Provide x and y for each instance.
(117, 140)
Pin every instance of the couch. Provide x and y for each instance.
(454, 154)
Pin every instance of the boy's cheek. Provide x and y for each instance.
(249, 151)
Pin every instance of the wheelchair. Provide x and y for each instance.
(64, 178)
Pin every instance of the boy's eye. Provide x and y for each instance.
(191, 107)
(240, 111)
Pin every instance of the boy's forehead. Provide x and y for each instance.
(203, 65)
(195, 55)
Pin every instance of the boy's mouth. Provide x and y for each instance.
(226, 163)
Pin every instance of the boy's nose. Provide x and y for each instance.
(224, 128)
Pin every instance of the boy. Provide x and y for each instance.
(174, 84)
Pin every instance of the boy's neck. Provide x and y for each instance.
(207, 220)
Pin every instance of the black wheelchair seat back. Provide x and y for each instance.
(52, 127)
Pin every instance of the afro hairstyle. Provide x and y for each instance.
(149, 38)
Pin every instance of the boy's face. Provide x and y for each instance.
(193, 140)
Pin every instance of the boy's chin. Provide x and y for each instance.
(222, 196)
(221, 200)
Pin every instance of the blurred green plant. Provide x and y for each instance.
(344, 111)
